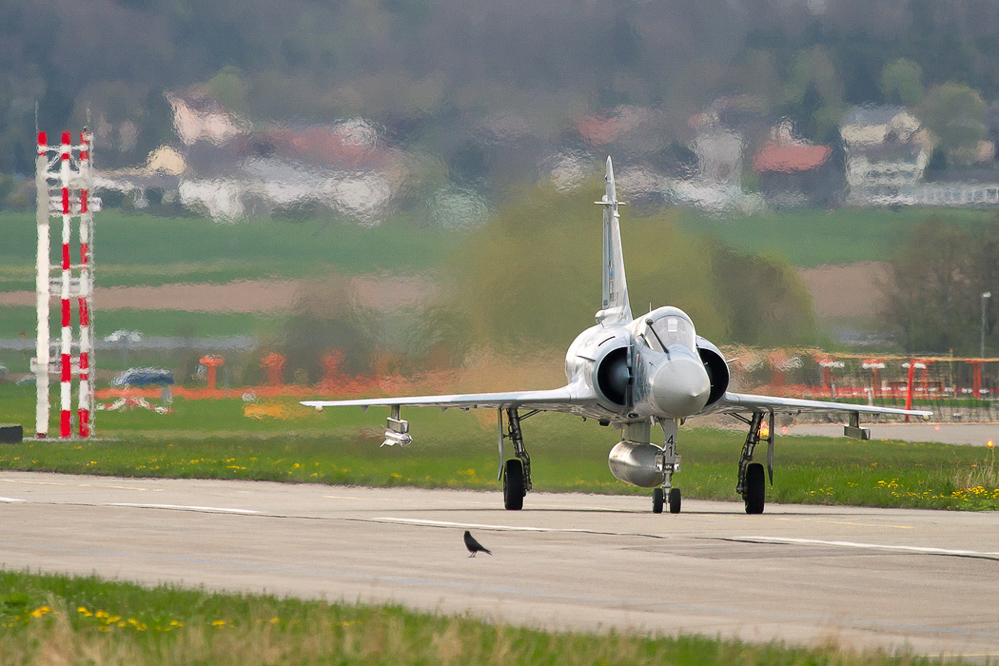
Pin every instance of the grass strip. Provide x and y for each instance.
(279, 440)
(47, 619)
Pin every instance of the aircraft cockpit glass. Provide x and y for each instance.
(668, 330)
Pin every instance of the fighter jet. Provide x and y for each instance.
(632, 373)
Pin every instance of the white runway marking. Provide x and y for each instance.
(10, 499)
(483, 526)
(926, 550)
(180, 507)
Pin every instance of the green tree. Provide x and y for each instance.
(955, 113)
(902, 83)
(230, 88)
(766, 304)
(938, 276)
(813, 94)
(531, 277)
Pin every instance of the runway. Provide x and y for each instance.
(973, 434)
(803, 574)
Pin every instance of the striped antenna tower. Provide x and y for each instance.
(64, 180)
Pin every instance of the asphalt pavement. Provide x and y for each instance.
(920, 580)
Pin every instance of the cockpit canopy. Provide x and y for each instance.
(665, 327)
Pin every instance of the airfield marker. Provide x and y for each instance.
(66, 346)
(59, 182)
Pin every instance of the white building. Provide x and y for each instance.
(887, 151)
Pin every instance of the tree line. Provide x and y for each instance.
(433, 70)
(935, 296)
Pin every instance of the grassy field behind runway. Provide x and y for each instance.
(48, 619)
(192, 249)
(195, 249)
(280, 440)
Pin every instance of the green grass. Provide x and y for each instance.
(287, 442)
(809, 238)
(48, 619)
(133, 248)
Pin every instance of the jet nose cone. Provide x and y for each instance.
(680, 387)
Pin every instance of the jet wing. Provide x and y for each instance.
(734, 403)
(565, 399)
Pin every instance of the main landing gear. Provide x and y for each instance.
(669, 463)
(752, 481)
(515, 472)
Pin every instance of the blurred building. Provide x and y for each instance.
(792, 172)
(887, 151)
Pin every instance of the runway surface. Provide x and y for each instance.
(860, 577)
(974, 434)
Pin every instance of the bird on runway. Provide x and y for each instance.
(474, 546)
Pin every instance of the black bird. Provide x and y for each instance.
(473, 546)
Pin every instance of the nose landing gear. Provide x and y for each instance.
(670, 464)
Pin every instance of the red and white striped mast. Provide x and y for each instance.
(73, 200)
(66, 339)
(86, 285)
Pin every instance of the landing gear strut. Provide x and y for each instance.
(670, 464)
(515, 472)
(752, 484)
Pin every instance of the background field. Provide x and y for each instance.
(809, 237)
(135, 248)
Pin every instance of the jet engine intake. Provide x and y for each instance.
(636, 463)
(717, 369)
(614, 377)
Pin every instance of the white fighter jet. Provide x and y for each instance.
(632, 373)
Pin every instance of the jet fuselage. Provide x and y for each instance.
(650, 367)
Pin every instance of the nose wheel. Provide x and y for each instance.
(659, 497)
(669, 464)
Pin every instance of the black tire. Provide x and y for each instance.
(657, 500)
(674, 500)
(756, 489)
(513, 485)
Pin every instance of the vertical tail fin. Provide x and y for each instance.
(616, 306)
